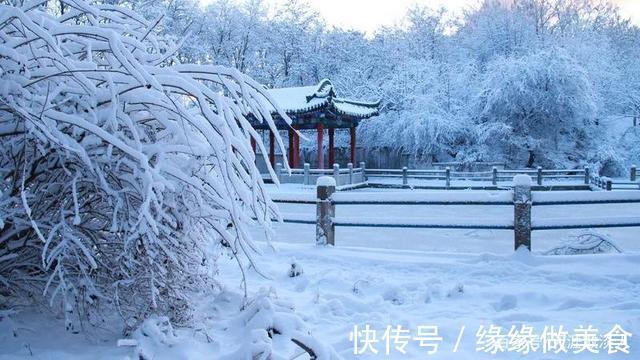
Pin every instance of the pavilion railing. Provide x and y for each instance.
(352, 176)
(307, 176)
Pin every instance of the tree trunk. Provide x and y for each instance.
(531, 159)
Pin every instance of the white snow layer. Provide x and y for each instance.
(344, 287)
(522, 180)
(326, 181)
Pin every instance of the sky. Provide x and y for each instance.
(368, 15)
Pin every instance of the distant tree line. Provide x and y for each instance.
(527, 82)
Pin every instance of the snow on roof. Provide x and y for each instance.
(355, 108)
(309, 98)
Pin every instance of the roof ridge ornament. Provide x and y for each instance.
(324, 89)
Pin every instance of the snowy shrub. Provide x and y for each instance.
(586, 243)
(122, 173)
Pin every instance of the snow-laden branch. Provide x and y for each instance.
(122, 174)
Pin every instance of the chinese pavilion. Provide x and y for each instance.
(315, 107)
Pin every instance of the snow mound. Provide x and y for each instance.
(274, 331)
(155, 332)
(266, 328)
(586, 243)
(326, 181)
(522, 180)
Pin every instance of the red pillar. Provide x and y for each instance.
(352, 132)
(320, 130)
(290, 149)
(272, 154)
(253, 145)
(332, 156)
(296, 148)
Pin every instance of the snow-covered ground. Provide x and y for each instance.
(343, 287)
(449, 279)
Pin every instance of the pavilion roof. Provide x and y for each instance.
(320, 97)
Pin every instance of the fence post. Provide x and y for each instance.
(350, 166)
(447, 174)
(405, 180)
(609, 184)
(587, 175)
(632, 176)
(325, 211)
(522, 211)
(278, 171)
(336, 173)
(539, 175)
(307, 170)
(364, 175)
(494, 176)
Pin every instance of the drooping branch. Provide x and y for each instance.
(121, 172)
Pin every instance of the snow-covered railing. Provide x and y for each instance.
(582, 178)
(294, 198)
(586, 223)
(308, 176)
(585, 198)
(401, 198)
(494, 176)
(500, 165)
(431, 198)
(384, 222)
(521, 198)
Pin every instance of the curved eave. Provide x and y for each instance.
(356, 109)
(364, 112)
(358, 115)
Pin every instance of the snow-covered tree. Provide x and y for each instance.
(538, 109)
(432, 66)
(122, 177)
